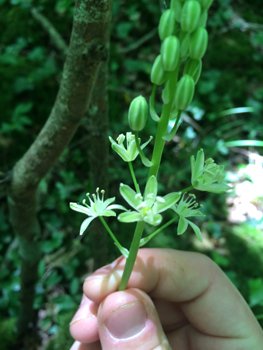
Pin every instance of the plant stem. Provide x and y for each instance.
(132, 255)
(147, 239)
(111, 233)
(187, 189)
(134, 178)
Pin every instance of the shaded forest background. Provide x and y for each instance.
(30, 73)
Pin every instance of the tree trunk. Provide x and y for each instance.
(88, 48)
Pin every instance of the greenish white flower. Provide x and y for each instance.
(129, 153)
(185, 208)
(97, 207)
(149, 206)
(207, 175)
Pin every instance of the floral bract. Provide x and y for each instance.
(149, 206)
(129, 154)
(207, 175)
(97, 207)
(185, 208)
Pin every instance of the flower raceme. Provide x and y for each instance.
(97, 207)
(131, 152)
(207, 175)
(149, 206)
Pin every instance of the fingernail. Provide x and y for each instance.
(127, 321)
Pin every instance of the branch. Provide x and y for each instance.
(87, 50)
(54, 35)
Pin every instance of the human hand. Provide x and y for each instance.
(174, 300)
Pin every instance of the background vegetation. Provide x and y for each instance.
(30, 73)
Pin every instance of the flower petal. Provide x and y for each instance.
(85, 225)
(81, 209)
(130, 216)
(121, 152)
(107, 213)
(196, 230)
(130, 196)
(182, 226)
(170, 199)
(108, 201)
(214, 188)
(146, 143)
(153, 220)
(150, 192)
(116, 206)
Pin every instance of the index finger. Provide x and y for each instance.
(209, 300)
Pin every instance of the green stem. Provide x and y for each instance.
(187, 189)
(111, 233)
(132, 255)
(161, 228)
(134, 178)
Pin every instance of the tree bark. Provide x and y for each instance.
(88, 48)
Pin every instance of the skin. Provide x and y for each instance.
(180, 301)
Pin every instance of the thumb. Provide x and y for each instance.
(128, 320)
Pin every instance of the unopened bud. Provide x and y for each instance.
(184, 39)
(184, 92)
(190, 16)
(205, 4)
(198, 43)
(170, 52)
(167, 24)
(176, 6)
(138, 113)
(193, 68)
(203, 19)
(157, 73)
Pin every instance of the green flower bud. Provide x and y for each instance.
(205, 4)
(176, 6)
(170, 52)
(157, 73)
(167, 24)
(184, 39)
(138, 113)
(203, 19)
(190, 16)
(198, 43)
(184, 93)
(193, 68)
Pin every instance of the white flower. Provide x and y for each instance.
(97, 207)
(149, 206)
(207, 175)
(131, 152)
(185, 208)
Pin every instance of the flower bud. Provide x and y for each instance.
(157, 73)
(198, 43)
(205, 4)
(184, 39)
(167, 24)
(138, 113)
(170, 52)
(193, 68)
(190, 16)
(184, 92)
(176, 6)
(203, 19)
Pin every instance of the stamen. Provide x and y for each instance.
(160, 200)
(120, 139)
(138, 196)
